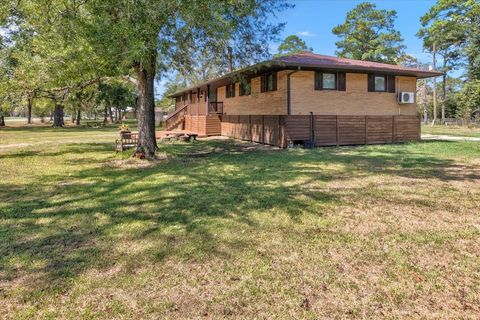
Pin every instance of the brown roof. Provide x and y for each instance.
(313, 61)
(308, 59)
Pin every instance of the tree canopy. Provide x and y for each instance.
(83, 41)
(292, 44)
(369, 34)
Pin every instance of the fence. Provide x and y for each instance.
(321, 130)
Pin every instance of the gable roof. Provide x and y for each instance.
(313, 61)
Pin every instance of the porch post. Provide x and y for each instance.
(208, 95)
(198, 98)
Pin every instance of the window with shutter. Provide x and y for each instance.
(244, 88)
(230, 90)
(378, 83)
(342, 81)
(391, 84)
(330, 81)
(269, 82)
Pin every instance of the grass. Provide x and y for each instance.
(452, 130)
(353, 232)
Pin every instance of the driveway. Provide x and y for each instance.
(448, 138)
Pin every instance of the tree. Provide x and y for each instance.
(48, 62)
(448, 38)
(116, 95)
(292, 44)
(469, 99)
(158, 34)
(145, 38)
(369, 34)
(455, 25)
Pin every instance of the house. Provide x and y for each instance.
(305, 98)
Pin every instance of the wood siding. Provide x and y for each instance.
(204, 125)
(266, 129)
(326, 130)
(257, 103)
(356, 100)
(195, 106)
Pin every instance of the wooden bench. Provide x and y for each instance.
(126, 141)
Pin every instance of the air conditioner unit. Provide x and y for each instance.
(406, 97)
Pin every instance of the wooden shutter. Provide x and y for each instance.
(318, 80)
(341, 81)
(263, 84)
(371, 83)
(391, 84)
(274, 79)
(233, 90)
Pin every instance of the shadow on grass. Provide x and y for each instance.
(97, 218)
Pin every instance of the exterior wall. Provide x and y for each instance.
(257, 103)
(356, 100)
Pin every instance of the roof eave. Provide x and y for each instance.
(271, 64)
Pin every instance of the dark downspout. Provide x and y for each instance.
(312, 130)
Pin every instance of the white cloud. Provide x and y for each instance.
(306, 34)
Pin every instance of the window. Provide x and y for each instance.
(330, 81)
(380, 84)
(230, 90)
(245, 88)
(269, 82)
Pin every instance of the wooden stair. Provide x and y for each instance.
(175, 119)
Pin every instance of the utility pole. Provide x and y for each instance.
(434, 86)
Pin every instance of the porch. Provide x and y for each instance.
(205, 121)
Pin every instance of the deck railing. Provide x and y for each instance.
(215, 107)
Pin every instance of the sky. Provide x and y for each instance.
(313, 21)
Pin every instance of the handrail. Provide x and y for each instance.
(175, 116)
(176, 111)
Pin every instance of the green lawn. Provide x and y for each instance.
(452, 130)
(218, 230)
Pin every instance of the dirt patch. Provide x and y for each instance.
(134, 163)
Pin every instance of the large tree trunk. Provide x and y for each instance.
(29, 111)
(58, 116)
(147, 143)
(2, 121)
(105, 115)
(79, 115)
(110, 114)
